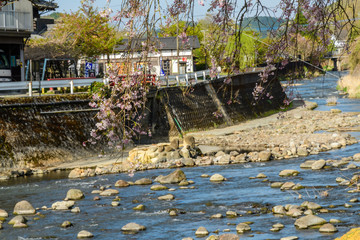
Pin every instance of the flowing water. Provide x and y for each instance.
(238, 193)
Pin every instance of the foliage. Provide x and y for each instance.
(85, 33)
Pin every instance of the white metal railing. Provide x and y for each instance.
(10, 20)
(165, 81)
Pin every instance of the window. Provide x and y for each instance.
(166, 67)
(4, 63)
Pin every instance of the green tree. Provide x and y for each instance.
(83, 34)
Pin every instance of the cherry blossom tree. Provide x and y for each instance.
(121, 113)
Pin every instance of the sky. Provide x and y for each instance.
(200, 12)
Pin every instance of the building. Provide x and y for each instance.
(167, 60)
(18, 19)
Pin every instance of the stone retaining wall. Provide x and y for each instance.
(44, 131)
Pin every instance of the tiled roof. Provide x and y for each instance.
(164, 43)
(45, 5)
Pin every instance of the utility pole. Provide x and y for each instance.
(177, 44)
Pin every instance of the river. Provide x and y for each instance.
(238, 193)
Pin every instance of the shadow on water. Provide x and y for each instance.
(252, 199)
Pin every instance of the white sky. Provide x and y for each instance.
(200, 12)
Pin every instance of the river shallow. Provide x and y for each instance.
(238, 193)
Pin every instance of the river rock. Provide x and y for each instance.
(231, 214)
(24, 208)
(319, 164)
(143, 181)
(217, 178)
(189, 141)
(229, 236)
(356, 157)
(139, 207)
(188, 162)
(308, 221)
(85, 234)
(166, 197)
(335, 145)
(109, 192)
(121, 183)
(133, 228)
(243, 227)
(75, 173)
(264, 156)
(62, 205)
(74, 194)
(174, 143)
(216, 216)
(302, 151)
(20, 225)
(3, 213)
(75, 210)
(261, 175)
(17, 219)
(222, 160)
(278, 225)
(276, 184)
(175, 177)
(307, 164)
(334, 110)
(313, 206)
(294, 212)
(287, 186)
(328, 228)
(158, 187)
(241, 158)
(289, 238)
(279, 209)
(66, 224)
(288, 172)
(185, 152)
(201, 232)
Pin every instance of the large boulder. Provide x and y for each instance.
(74, 194)
(309, 221)
(175, 177)
(132, 228)
(24, 208)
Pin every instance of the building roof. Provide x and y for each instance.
(44, 5)
(163, 43)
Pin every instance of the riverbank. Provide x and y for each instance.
(257, 200)
(298, 132)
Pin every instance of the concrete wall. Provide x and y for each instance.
(41, 131)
